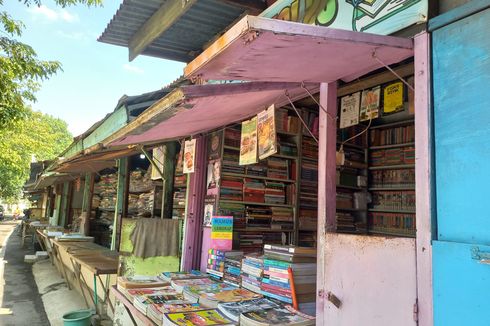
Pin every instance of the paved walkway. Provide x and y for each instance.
(19, 297)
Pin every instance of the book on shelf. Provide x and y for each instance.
(392, 156)
(393, 200)
(393, 178)
(393, 223)
(211, 317)
(276, 316)
(392, 136)
(232, 310)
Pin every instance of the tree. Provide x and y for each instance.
(37, 134)
(21, 72)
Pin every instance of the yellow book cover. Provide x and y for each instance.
(197, 318)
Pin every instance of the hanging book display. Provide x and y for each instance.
(214, 145)
(349, 110)
(189, 155)
(214, 171)
(393, 98)
(370, 104)
(222, 232)
(248, 142)
(266, 133)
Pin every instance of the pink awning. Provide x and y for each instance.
(191, 110)
(263, 49)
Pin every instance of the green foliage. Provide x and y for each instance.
(21, 72)
(38, 134)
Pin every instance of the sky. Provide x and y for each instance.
(95, 75)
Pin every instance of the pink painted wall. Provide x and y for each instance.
(374, 277)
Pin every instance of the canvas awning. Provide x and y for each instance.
(263, 49)
(190, 110)
(49, 178)
(95, 161)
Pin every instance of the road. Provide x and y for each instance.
(20, 300)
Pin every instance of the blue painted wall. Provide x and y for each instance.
(461, 88)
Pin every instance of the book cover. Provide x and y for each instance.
(232, 295)
(370, 104)
(175, 307)
(393, 98)
(189, 155)
(349, 110)
(276, 316)
(170, 276)
(222, 232)
(196, 318)
(233, 310)
(248, 142)
(266, 133)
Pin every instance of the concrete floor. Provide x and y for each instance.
(20, 300)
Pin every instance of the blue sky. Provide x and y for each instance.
(95, 75)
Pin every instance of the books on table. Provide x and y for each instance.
(155, 312)
(179, 285)
(139, 281)
(130, 294)
(172, 276)
(194, 292)
(211, 299)
(198, 318)
(233, 310)
(278, 316)
(142, 302)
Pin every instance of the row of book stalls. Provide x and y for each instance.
(300, 195)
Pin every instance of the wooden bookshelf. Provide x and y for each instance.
(392, 186)
(251, 203)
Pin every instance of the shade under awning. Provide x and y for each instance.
(263, 49)
(49, 178)
(94, 162)
(190, 110)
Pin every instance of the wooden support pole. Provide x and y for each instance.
(423, 176)
(88, 192)
(122, 175)
(170, 151)
(326, 185)
(65, 202)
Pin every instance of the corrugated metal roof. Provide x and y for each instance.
(185, 39)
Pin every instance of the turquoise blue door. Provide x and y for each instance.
(461, 92)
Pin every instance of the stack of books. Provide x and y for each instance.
(250, 241)
(232, 137)
(286, 147)
(211, 300)
(277, 168)
(140, 281)
(233, 310)
(156, 311)
(180, 284)
(275, 192)
(393, 178)
(253, 191)
(236, 210)
(258, 217)
(282, 218)
(259, 169)
(252, 271)
(219, 260)
(194, 292)
(345, 222)
(391, 136)
(169, 296)
(173, 276)
(231, 188)
(311, 120)
(290, 275)
(233, 269)
(276, 316)
(344, 199)
(230, 162)
(198, 317)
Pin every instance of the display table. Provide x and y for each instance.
(89, 263)
(131, 310)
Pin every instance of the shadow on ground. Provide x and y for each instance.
(20, 293)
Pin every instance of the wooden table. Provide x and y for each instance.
(96, 259)
(131, 310)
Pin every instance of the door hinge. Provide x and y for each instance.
(416, 311)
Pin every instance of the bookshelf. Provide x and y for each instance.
(351, 203)
(392, 179)
(180, 189)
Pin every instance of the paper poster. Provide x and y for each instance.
(393, 98)
(349, 110)
(248, 142)
(370, 104)
(214, 145)
(222, 232)
(266, 133)
(189, 155)
(209, 203)
(212, 184)
(158, 157)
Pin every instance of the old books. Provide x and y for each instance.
(211, 299)
(278, 316)
(137, 281)
(172, 276)
(232, 310)
(200, 317)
